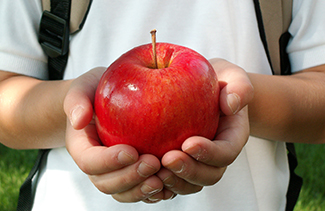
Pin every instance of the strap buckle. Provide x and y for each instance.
(54, 35)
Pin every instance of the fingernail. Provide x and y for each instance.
(145, 170)
(196, 152)
(177, 166)
(153, 199)
(148, 190)
(170, 181)
(125, 158)
(233, 102)
(172, 196)
(75, 114)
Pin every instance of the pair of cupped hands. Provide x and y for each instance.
(129, 177)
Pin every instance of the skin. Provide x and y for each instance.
(178, 172)
(28, 125)
(69, 116)
(301, 115)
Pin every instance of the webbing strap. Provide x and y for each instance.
(54, 36)
(296, 181)
(26, 195)
(78, 15)
(276, 20)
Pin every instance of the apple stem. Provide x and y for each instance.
(153, 38)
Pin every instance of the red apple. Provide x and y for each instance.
(156, 109)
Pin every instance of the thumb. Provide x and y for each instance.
(78, 103)
(236, 89)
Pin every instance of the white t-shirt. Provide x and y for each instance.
(258, 178)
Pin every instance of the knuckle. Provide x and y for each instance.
(190, 189)
(249, 90)
(85, 167)
(229, 159)
(102, 187)
(112, 186)
(121, 197)
(216, 178)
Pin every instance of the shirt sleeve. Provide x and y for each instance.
(20, 51)
(307, 47)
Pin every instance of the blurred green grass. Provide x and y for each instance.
(15, 166)
(311, 168)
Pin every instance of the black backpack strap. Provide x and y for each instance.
(26, 194)
(295, 182)
(284, 57)
(54, 36)
(54, 39)
(260, 23)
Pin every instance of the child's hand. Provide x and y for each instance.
(203, 162)
(120, 171)
(117, 170)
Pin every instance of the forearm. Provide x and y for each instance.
(289, 108)
(31, 112)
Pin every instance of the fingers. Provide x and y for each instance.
(79, 99)
(116, 170)
(209, 152)
(176, 184)
(185, 173)
(194, 173)
(232, 135)
(120, 171)
(202, 161)
(236, 89)
(143, 191)
(92, 158)
(116, 165)
(129, 178)
(151, 191)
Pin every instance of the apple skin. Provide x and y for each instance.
(156, 110)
